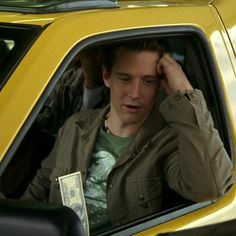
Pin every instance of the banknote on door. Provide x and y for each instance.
(72, 193)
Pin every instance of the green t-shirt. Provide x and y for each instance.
(106, 153)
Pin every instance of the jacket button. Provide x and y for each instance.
(141, 197)
(169, 105)
(110, 186)
(193, 96)
(85, 138)
(178, 97)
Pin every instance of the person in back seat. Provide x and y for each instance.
(80, 88)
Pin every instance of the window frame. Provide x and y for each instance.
(213, 85)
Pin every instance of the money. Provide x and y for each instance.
(72, 193)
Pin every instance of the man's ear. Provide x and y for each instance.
(106, 77)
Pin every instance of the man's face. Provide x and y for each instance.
(133, 85)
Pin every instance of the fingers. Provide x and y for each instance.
(172, 76)
(167, 64)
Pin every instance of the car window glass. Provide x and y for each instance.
(5, 47)
(14, 42)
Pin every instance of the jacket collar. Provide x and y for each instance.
(91, 119)
(90, 122)
(145, 137)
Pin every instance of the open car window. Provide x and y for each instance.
(191, 51)
(14, 43)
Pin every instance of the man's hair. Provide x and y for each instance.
(109, 52)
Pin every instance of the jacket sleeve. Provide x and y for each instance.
(39, 188)
(200, 169)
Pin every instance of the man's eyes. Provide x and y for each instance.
(149, 81)
(146, 81)
(124, 79)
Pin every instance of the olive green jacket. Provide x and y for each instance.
(185, 151)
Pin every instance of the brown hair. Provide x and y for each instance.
(109, 52)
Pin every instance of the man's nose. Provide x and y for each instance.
(135, 89)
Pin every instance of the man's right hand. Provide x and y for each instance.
(172, 76)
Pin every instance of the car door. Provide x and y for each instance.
(196, 33)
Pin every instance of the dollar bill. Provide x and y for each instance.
(72, 193)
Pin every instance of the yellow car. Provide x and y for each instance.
(39, 40)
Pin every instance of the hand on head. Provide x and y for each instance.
(172, 76)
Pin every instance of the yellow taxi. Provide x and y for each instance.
(39, 39)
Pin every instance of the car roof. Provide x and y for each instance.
(47, 6)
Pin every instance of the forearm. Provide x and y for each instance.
(38, 188)
(200, 169)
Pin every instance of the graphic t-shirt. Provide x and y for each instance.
(107, 151)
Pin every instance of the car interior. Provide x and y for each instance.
(24, 218)
(192, 52)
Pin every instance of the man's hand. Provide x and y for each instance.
(172, 76)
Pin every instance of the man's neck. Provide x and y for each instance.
(118, 128)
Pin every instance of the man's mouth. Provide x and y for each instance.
(132, 108)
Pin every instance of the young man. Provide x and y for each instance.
(127, 151)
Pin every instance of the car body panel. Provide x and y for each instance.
(228, 20)
(63, 31)
(227, 13)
